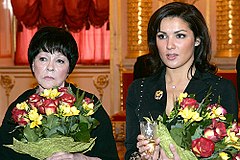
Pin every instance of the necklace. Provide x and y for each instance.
(174, 86)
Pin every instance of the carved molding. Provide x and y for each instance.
(7, 82)
(101, 82)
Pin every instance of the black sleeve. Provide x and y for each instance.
(228, 97)
(7, 126)
(132, 122)
(105, 145)
(238, 76)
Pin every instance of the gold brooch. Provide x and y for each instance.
(158, 94)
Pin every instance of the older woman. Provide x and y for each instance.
(52, 55)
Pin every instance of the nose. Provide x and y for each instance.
(170, 43)
(50, 66)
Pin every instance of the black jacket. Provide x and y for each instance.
(105, 147)
(238, 76)
(143, 91)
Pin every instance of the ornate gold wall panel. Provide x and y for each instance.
(228, 28)
(139, 12)
(185, 1)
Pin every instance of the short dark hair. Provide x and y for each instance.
(196, 22)
(51, 39)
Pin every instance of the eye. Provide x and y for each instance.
(42, 59)
(161, 36)
(180, 36)
(60, 61)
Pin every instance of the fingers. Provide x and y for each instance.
(157, 141)
(174, 151)
(143, 147)
(163, 155)
(61, 156)
(156, 152)
(140, 137)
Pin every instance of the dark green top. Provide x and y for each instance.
(105, 147)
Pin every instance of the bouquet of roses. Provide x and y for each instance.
(199, 130)
(52, 121)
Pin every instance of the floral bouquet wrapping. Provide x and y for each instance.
(199, 130)
(56, 120)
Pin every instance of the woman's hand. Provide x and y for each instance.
(144, 147)
(158, 154)
(70, 156)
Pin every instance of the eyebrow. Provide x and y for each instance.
(182, 30)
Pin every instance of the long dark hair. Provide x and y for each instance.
(196, 22)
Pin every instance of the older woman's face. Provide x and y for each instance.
(50, 70)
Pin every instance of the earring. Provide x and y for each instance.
(197, 43)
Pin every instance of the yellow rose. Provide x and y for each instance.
(181, 97)
(196, 117)
(22, 106)
(88, 108)
(66, 110)
(50, 93)
(224, 156)
(186, 114)
(35, 118)
(231, 137)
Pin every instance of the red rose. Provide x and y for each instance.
(67, 98)
(49, 107)
(203, 147)
(63, 89)
(216, 131)
(35, 100)
(236, 156)
(19, 116)
(88, 100)
(189, 102)
(235, 128)
(223, 110)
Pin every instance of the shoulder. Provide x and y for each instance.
(148, 81)
(24, 96)
(218, 84)
(219, 80)
(213, 79)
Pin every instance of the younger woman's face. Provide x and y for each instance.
(175, 42)
(50, 70)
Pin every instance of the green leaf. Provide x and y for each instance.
(47, 146)
(166, 140)
(51, 121)
(95, 123)
(177, 135)
(83, 135)
(55, 131)
(30, 134)
(74, 127)
(198, 133)
(79, 100)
